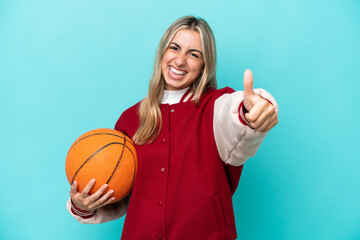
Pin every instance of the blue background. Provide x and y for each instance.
(67, 67)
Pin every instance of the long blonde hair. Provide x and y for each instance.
(149, 110)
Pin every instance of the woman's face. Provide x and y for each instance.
(183, 60)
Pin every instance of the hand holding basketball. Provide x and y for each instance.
(87, 202)
(261, 115)
(106, 155)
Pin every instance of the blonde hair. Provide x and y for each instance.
(149, 111)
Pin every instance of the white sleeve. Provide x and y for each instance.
(105, 214)
(235, 141)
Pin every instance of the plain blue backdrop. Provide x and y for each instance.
(67, 67)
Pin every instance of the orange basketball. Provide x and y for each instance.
(106, 155)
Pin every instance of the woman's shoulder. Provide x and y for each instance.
(133, 110)
(129, 118)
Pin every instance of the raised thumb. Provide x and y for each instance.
(248, 83)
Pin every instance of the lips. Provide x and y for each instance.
(176, 73)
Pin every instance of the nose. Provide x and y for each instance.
(180, 59)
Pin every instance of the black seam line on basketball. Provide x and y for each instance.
(134, 176)
(117, 164)
(92, 155)
(100, 150)
(132, 158)
(135, 169)
(95, 135)
(134, 162)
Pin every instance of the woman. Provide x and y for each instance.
(192, 141)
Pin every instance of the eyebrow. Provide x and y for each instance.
(191, 50)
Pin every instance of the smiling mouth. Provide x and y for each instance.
(175, 73)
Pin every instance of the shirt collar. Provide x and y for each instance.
(172, 97)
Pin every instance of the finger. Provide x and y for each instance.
(260, 121)
(273, 124)
(110, 200)
(103, 199)
(267, 114)
(256, 111)
(94, 197)
(269, 122)
(264, 126)
(88, 187)
(73, 189)
(248, 83)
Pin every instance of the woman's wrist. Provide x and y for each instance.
(79, 212)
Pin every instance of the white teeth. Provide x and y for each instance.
(177, 71)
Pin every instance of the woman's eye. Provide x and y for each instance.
(173, 48)
(194, 55)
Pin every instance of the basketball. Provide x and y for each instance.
(106, 155)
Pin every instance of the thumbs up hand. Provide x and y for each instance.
(261, 114)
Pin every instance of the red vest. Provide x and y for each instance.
(183, 190)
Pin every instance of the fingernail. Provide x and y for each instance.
(111, 191)
(112, 199)
(93, 180)
(105, 186)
